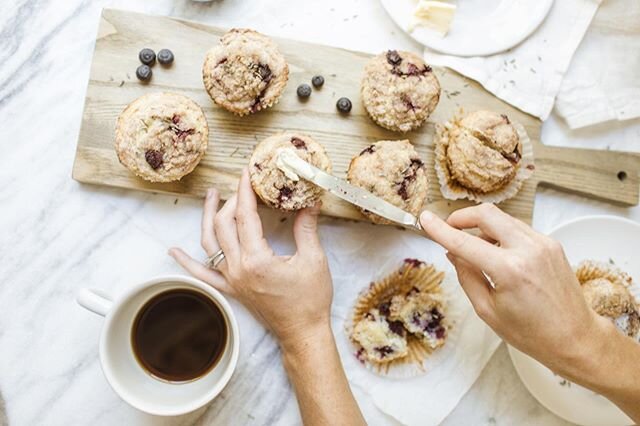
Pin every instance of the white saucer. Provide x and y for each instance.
(479, 27)
(602, 238)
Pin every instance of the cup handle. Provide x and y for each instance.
(94, 300)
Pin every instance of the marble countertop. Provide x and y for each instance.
(57, 236)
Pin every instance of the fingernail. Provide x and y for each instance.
(426, 216)
(210, 192)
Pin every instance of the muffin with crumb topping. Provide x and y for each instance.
(161, 137)
(606, 290)
(393, 171)
(399, 90)
(245, 73)
(272, 184)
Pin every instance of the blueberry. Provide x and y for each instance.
(317, 81)
(165, 57)
(304, 91)
(343, 105)
(143, 73)
(147, 57)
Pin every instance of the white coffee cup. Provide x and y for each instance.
(123, 372)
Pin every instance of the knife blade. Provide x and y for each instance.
(346, 191)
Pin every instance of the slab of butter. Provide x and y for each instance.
(284, 168)
(436, 15)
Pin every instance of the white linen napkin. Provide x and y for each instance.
(428, 398)
(529, 75)
(603, 80)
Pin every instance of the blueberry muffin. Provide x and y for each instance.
(485, 152)
(161, 137)
(400, 319)
(272, 185)
(393, 171)
(606, 290)
(381, 341)
(245, 73)
(399, 90)
(422, 315)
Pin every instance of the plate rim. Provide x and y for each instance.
(476, 52)
(592, 217)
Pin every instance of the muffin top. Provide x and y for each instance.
(272, 185)
(607, 298)
(606, 289)
(161, 136)
(496, 131)
(399, 90)
(393, 171)
(245, 73)
(484, 152)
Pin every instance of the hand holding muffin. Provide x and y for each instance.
(291, 295)
(274, 288)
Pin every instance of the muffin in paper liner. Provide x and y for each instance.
(612, 293)
(401, 281)
(453, 190)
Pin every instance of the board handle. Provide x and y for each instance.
(606, 175)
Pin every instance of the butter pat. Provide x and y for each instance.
(280, 164)
(436, 15)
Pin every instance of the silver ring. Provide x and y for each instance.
(213, 261)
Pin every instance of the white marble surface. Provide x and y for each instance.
(57, 235)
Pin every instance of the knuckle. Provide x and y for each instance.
(458, 241)
(241, 216)
(488, 208)
(554, 247)
(516, 265)
(483, 311)
(218, 222)
(322, 261)
(252, 265)
(545, 247)
(234, 277)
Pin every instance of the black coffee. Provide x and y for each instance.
(179, 335)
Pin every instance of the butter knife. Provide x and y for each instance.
(294, 165)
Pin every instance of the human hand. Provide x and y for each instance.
(536, 305)
(291, 295)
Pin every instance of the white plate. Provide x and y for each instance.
(479, 27)
(595, 238)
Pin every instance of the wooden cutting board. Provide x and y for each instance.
(112, 85)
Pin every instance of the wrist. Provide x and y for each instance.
(582, 362)
(300, 340)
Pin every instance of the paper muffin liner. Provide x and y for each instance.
(588, 270)
(591, 269)
(391, 281)
(452, 190)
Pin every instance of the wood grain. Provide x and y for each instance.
(113, 85)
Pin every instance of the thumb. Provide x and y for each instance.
(305, 230)
(477, 289)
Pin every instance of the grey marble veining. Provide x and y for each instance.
(57, 236)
